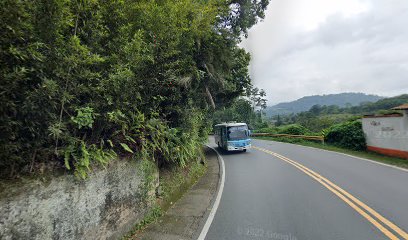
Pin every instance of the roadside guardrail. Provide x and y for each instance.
(317, 138)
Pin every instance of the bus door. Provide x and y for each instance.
(223, 137)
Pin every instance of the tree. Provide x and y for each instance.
(85, 80)
(316, 109)
(243, 15)
(278, 121)
(258, 99)
(261, 102)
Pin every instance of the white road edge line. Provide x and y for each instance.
(345, 154)
(211, 216)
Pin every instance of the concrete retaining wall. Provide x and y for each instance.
(104, 206)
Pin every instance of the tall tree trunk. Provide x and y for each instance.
(210, 98)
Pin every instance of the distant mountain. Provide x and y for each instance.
(305, 103)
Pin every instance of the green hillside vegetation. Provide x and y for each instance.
(293, 129)
(305, 103)
(341, 127)
(381, 105)
(84, 82)
(348, 134)
(320, 117)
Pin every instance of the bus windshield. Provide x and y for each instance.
(237, 133)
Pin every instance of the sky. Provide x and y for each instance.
(315, 47)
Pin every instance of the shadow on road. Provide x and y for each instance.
(226, 153)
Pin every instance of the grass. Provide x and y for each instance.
(174, 182)
(151, 217)
(399, 162)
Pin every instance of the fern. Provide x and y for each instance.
(126, 147)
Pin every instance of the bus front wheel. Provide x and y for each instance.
(244, 150)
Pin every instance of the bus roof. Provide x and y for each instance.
(230, 124)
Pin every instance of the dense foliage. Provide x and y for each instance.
(247, 109)
(85, 80)
(348, 135)
(293, 129)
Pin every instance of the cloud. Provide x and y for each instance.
(362, 50)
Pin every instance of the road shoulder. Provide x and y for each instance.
(186, 218)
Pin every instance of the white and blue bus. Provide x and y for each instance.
(232, 136)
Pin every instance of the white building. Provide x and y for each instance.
(388, 134)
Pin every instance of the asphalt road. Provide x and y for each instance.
(268, 195)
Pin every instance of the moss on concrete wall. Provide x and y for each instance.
(104, 206)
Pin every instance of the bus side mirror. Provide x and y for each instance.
(249, 133)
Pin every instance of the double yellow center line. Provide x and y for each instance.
(368, 213)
